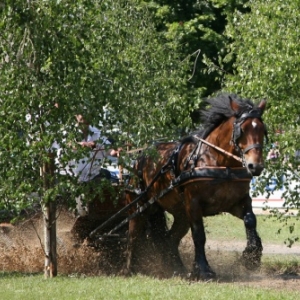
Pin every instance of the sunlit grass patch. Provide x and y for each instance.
(136, 287)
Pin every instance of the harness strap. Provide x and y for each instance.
(259, 146)
(196, 156)
(213, 173)
(190, 157)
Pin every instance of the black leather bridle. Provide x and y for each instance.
(237, 130)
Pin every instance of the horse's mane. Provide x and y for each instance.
(219, 109)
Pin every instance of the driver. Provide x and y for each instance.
(90, 166)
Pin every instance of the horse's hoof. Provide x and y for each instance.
(207, 276)
(179, 274)
(125, 272)
(251, 265)
(251, 260)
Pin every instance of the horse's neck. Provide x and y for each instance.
(221, 138)
(212, 157)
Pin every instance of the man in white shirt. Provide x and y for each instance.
(90, 166)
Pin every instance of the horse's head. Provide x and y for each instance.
(248, 136)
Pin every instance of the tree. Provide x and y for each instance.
(265, 51)
(197, 28)
(89, 57)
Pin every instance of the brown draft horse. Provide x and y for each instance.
(206, 173)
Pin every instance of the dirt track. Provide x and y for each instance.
(21, 250)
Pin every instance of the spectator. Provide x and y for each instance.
(273, 154)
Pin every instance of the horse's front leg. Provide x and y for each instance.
(201, 268)
(253, 251)
(251, 257)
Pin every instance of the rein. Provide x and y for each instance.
(220, 149)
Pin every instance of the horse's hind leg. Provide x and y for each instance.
(201, 268)
(160, 240)
(135, 231)
(166, 241)
(179, 229)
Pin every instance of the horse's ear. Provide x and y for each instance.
(262, 105)
(234, 106)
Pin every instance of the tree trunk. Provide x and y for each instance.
(47, 173)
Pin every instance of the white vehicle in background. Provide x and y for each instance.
(276, 191)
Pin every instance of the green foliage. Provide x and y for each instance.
(102, 59)
(266, 55)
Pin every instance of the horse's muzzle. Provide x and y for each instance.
(255, 168)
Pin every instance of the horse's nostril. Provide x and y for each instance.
(255, 169)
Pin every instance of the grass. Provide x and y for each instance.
(270, 229)
(18, 286)
(281, 264)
